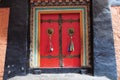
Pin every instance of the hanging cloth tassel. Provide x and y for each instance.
(51, 46)
(71, 45)
(50, 32)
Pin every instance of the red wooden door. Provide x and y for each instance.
(60, 40)
(71, 59)
(47, 58)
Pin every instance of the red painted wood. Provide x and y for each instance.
(68, 62)
(44, 41)
(71, 62)
(49, 63)
(44, 38)
(68, 16)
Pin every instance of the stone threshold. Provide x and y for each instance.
(69, 76)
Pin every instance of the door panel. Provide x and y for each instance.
(69, 16)
(71, 62)
(49, 63)
(73, 58)
(47, 58)
(66, 38)
(44, 42)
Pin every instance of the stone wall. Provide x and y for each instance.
(114, 2)
(16, 54)
(104, 53)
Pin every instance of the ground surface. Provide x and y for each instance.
(58, 77)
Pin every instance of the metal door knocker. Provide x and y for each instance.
(71, 31)
(50, 32)
(71, 45)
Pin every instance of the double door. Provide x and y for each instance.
(60, 40)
